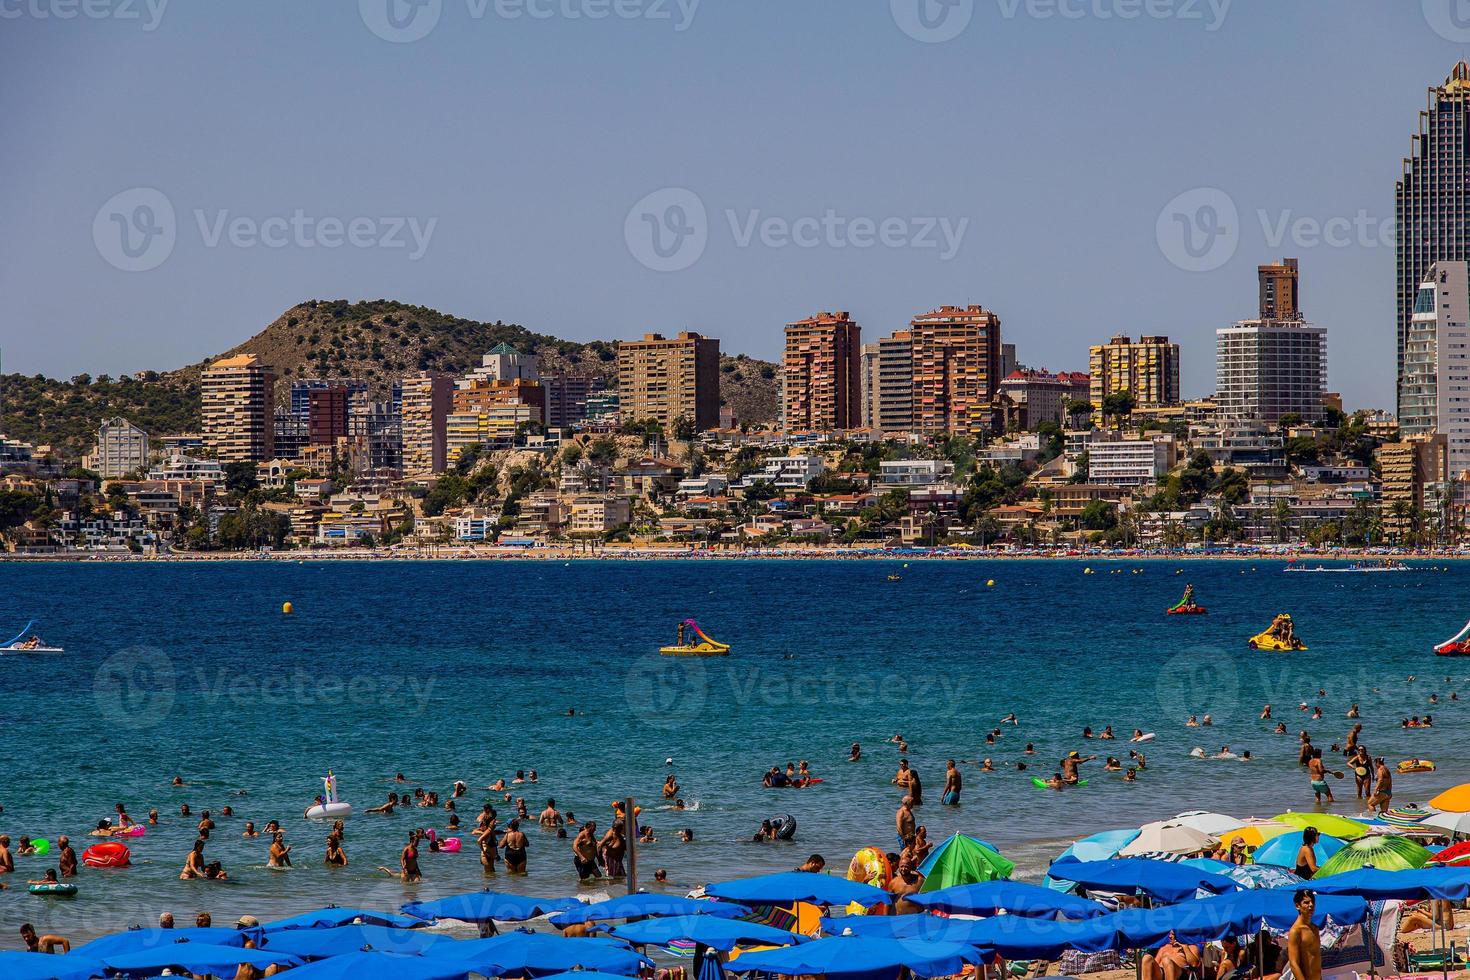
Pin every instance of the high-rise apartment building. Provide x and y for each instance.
(663, 379)
(1278, 286)
(566, 397)
(1432, 198)
(1434, 392)
(326, 415)
(1265, 369)
(427, 398)
(122, 448)
(1411, 470)
(1148, 370)
(302, 388)
(956, 369)
(821, 373)
(238, 406)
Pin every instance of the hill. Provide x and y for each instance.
(379, 341)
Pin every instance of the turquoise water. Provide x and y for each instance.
(457, 670)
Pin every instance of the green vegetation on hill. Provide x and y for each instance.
(379, 341)
(65, 414)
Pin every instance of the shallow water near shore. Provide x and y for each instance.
(466, 670)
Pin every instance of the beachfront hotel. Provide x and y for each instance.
(821, 376)
(1147, 369)
(1434, 390)
(1265, 369)
(238, 406)
(1432, 200)
(662, 379)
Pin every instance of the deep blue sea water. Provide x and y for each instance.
(449, 670)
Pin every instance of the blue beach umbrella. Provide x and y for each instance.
(1003, 895)
(1376, 885)
(1013, 936)
(488, 906)
(1282, 851)
(710, 969)
(646, 903)
(798, 886)
(381, 966)
(1098, 847)
(315, 944)
(203, 958)
(721, 934)
(1239, 913)
(861, 954)
(519, 953)
(1163, 880)
(135, 939)
(1261, 876)
(46, 966)
(331, 916)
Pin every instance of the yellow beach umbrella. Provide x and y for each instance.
(1255, 832)
(1327, 823)
(1456, 799)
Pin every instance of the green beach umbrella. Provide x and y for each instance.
(963, 860)
(1386, 853)
(1327, 823)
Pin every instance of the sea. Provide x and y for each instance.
(463, 670)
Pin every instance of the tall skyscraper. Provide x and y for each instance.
(427, 397)
(821, 373)
(956, 369)
(326, 415)
(1278, 288)
(238, 405)
(663, 379)
(1434, 394)
(1432, 198)
(1265, 369)
(1148, 370)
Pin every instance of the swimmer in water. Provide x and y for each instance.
(855, 753)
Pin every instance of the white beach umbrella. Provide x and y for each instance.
(1454, 823)
(1167, 837)
(1207, 822)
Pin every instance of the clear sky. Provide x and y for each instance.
(175, 177)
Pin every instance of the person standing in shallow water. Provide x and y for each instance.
(952, 783)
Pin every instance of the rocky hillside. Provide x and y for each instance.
(379, 341)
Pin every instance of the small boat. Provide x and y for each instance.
(27, 642)
(1456, 646)
(688, 647)
(1186, 611)
(1267, 640)
(1357, 566)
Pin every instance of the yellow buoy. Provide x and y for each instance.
(990, 583)
(286, 608)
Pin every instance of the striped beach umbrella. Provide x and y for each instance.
(1405, 816)
(1381, 852)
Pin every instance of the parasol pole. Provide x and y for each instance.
(630, 834)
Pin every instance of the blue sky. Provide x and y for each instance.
(515, 161)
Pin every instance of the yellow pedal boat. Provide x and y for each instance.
(694, 643)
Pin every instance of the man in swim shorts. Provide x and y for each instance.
(584, 851)
(1317, 771)
(951, 794)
